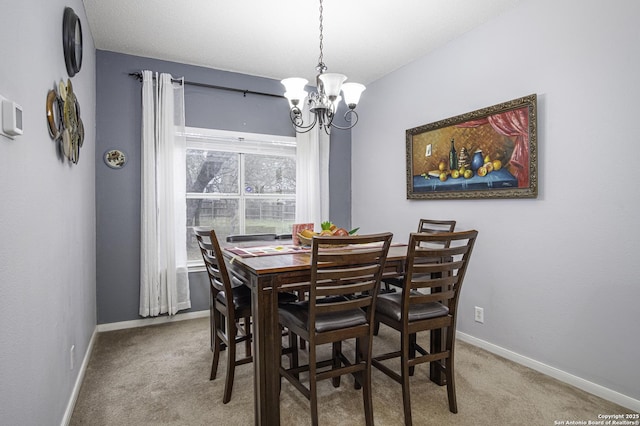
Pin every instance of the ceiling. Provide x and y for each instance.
(364, 39)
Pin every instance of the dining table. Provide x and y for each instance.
(271, 268)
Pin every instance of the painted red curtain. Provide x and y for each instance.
(514, 124)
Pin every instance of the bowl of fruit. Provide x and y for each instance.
(328, 229)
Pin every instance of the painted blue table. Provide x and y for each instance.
(497, 179)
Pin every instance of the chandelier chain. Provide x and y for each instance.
(322, 103)
(320, 58)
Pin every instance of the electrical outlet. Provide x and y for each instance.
(72, 356)
(428, 151)
(479, 316)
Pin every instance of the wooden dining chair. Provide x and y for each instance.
(250, 237)
(332, 314)
(429, 226)
(436, 263)
(229, 302)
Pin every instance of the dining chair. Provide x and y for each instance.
(429, 226)
(332, 315)
(229, 302)
(250, 237)
(436, 263)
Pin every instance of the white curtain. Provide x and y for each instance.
(312, 175)
(164, 281)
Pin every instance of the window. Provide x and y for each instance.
(239, 183)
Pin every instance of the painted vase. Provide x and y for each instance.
(477, 161)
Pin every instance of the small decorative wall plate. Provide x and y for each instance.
(115, 158)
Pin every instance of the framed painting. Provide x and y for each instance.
(488, 153)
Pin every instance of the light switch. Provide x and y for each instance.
(11, 118)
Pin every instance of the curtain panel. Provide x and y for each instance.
(312, 175)
(164, 280)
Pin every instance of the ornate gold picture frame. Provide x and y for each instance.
(488, 153)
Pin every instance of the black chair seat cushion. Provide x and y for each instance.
(298, 314)
(242, 297)
(390, 304)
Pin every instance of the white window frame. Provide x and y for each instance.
(238, 142)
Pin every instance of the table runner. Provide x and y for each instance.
(271, 250)
(267, 250)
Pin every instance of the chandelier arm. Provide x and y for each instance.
(349, 117)
(298, 124)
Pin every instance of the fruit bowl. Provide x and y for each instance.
(305, 241)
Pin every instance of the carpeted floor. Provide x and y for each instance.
(159, 375)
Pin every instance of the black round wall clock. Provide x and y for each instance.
(72, 41)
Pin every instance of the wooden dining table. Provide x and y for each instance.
(266, 274)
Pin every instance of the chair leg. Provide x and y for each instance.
(450, 372)
(216, 358)
(451, 386)
(231, 362)
(412, 351)
(212, 322)
(218, 344)
(376, 328)
(406, 394)
(358, 376)
(366, 394)
(313, 388)
(293, 347)
(301, 297)
(247, 331)
(337, 350)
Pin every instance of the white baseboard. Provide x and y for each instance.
(76, 387)
(563, 376)
(151, 321)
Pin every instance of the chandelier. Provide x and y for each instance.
(323, 103)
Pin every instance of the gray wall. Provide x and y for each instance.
(557, 276)
(47, 221)
(118, 191)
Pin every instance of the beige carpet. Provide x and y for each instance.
(159, 375)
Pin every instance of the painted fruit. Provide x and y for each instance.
(468, 174)
(455, 174)
(487, 159)
(482, 171)
(443, 176)
(497, 164)
(489, 167)
(442, 166)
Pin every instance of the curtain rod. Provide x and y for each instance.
(138, 75)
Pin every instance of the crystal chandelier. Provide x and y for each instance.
(323, 104)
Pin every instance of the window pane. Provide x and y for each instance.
(269, 216)
(212, 172)
(221, 215)
(267, 174)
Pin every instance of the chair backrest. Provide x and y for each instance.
(250, 237)
(436, 261)
(214, 261)
(431, 226)
(344, 267)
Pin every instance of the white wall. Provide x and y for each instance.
(47, 220)
(557, 276)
